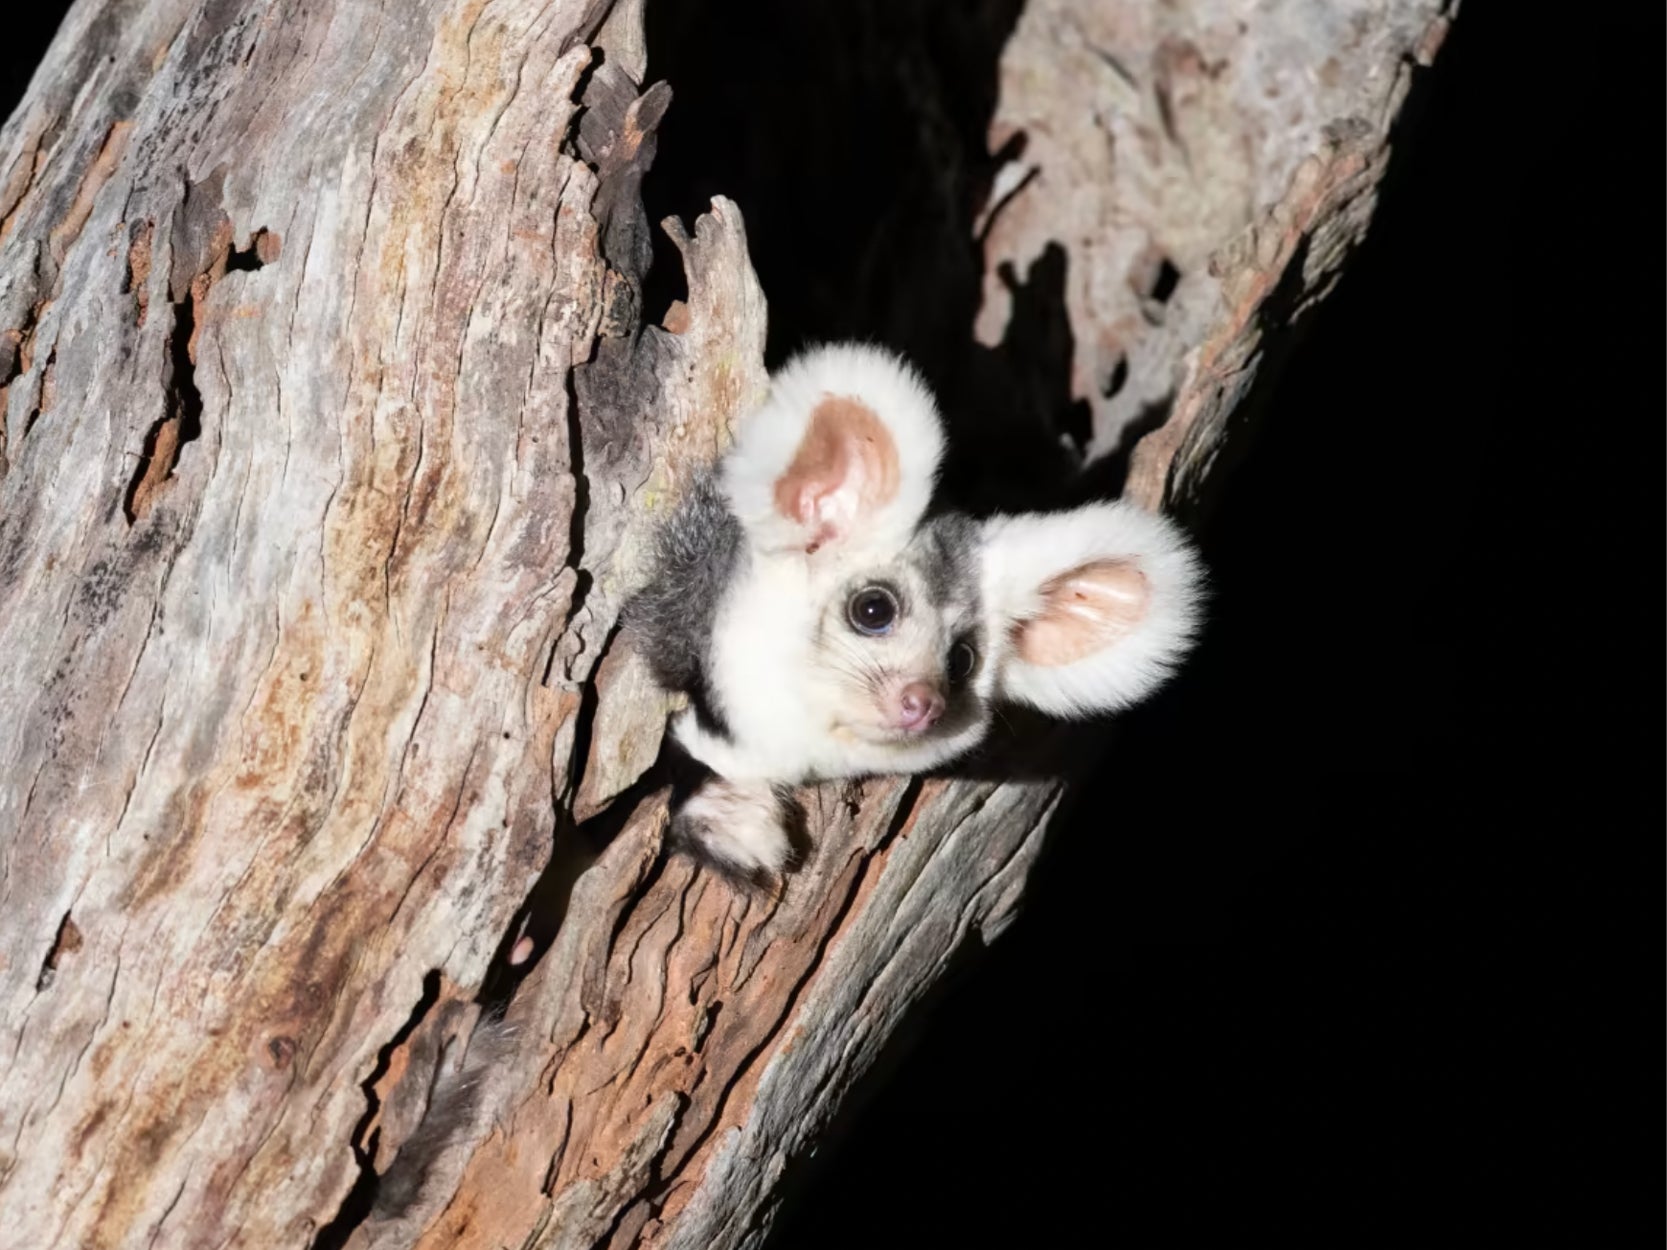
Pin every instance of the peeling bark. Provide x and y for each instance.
(332, 434)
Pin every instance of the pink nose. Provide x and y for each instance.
(918, 707)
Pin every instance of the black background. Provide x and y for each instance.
(1354, 939)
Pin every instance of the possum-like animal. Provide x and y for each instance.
(826, 622)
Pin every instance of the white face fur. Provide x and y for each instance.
(897, 648)
(849, 662)
(859, 636)
(895, 664)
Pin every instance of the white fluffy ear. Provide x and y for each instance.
(1091, 609)
(844, 451)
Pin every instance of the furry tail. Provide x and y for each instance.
(451, 1123)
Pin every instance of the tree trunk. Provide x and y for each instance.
(332, 433)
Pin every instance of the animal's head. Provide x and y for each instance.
(922, 621)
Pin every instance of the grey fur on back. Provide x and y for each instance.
(429, 1162)
(672, 617)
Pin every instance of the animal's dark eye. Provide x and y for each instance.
(963, 658)
(872, 610)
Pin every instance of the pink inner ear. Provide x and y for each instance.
(1084, 610)
(846, 466)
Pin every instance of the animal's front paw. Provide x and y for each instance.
(740, 828)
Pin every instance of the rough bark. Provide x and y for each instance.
(331, 434)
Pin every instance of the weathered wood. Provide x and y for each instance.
(331, 436)
(1190, 159)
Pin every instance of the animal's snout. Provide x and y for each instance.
(918, 707)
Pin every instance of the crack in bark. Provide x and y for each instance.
(36, 154)
(356, 1205)
(166, 439)
(104, 163)
(16, 358)
(141, 238)
(166, 1212)
(67, 942)
(584, 725)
